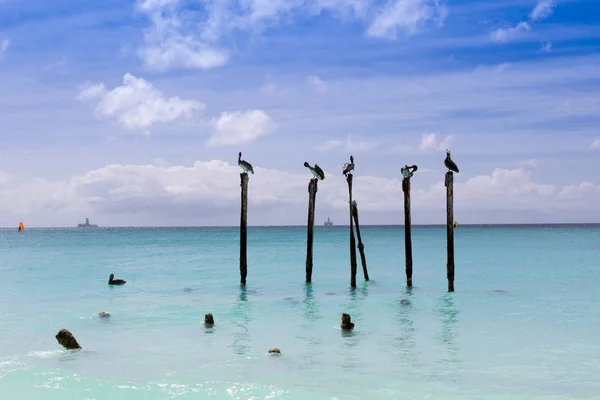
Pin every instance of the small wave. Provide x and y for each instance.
(44, 353)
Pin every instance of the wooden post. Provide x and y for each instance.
(407, 232)
(450, 228)
(361, 246)
(312, 194)
(352, 240)
(243, 228)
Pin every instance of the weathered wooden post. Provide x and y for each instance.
(450, 229)
(244, 228)
(348, 167)
(361, 246)
(318, 174)
(449, 182)
(246, 166)
(407, 173)
(312, 192)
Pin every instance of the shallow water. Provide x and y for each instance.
(522, 324)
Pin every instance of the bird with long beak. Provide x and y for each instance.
(451, 165)
(245, 165)
(316, 171)
(348, 167)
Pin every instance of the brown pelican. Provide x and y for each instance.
(316, 171)
(449, 163)
(245, 165)
(348, 166)
(113, 281)
(407, 171)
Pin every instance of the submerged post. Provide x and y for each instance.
(450, 228)
(243, 227)
(361, 246)
(312, 193)
(407, 173)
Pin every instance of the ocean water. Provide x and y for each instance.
(524, 322)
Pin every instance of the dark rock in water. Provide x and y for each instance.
(104, 314)
(499, 291)
(67, 340)
(188, 290)
(288, 298)
(405, 302)
(347, 324)
(274, 350)
(209, 320)
(330, 294)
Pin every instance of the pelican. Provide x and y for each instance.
(316, 171)
(348, 166)
(113, 281)
(406, 171)
(245, 165)
(449, 163)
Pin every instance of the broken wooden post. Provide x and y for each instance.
(407, 173)
(312, 193)
(66, 339)
(450, 228)
(243, 228)
(361, 246)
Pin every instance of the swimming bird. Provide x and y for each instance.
(449, 163)
(113, 281)
(348, 166)
(316, 171)
(245, 165)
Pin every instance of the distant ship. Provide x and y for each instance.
(329, 222)
(87, 224)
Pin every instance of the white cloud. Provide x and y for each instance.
(234, 128)
(408, 15)
(542, 10)
(137, 104)
(317, 83)
(349, 144)
(4, 44)
(546, 47)
(169, 46)
(430, 141)
(184, 36)
(209, 191)
(531, 163)
(595, 144)
(503, 35)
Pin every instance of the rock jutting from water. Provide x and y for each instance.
(104, 314)
(347, 324)
(66, 339)
(274, 350)
(209, 320)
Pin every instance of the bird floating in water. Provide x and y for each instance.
(449, 163)
(113, 281)
(245, 165)
(348, 167)
(316, 171)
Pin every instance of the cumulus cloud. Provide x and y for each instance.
(184, 36)
(595, 145)
(234, 128)
(210, 189)
(542, 10)
(406, 15)
(430, 141)
(137, 104)
(317, 83)
(503, 35)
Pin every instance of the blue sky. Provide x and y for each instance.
(132, 112)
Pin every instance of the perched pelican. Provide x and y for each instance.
(316, 171)
(348, 166)
(449, 163)
(407, 171)
(113, 281)
(245, 165)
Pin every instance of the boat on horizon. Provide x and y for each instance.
(87, 224)
(329, 222)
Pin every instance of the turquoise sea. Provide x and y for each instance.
(524, 322)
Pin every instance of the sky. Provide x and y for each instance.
(132, 112)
